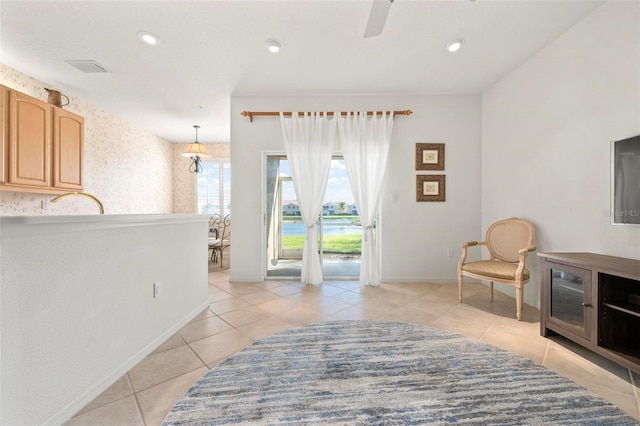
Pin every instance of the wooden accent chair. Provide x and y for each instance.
(509, 242)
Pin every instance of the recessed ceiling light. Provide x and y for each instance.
(454, 45)
(273, 45)
(148, 38)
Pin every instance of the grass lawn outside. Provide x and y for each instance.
(343, 243)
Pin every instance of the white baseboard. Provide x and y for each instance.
(80, 402)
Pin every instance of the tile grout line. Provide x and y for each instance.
(204, 364)
(546, 352)
(135, 397)
(135, 393)
(634, 388)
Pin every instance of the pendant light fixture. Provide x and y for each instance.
(196, 151)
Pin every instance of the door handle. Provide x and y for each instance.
(587, 305)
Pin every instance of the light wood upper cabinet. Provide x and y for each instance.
(4, 135)
(68, 141)
(42, 146)
(29, 141)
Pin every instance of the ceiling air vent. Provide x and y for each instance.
(88, 66)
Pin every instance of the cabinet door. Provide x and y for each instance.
(4, 135)
(569, 303)
(68, 140)
(29, 141)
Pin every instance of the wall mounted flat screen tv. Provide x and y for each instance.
(625, 181)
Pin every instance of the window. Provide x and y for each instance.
(214, 187)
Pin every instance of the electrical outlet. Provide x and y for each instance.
(449, 252)
(156, 289)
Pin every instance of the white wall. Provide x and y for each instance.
(77, 304)
(415, 235)
(546, 132)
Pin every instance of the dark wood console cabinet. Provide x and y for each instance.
(593, 300)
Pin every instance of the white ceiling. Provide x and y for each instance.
(212, 50)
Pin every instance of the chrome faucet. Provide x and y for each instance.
(80, 194)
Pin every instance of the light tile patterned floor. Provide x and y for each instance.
(241, 313)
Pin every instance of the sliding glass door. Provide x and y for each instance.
(340, 233)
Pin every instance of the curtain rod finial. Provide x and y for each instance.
(247, 114)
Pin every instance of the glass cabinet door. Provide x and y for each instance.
(570, 296)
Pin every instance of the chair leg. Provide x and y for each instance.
(518, 302)
(459, 288)
(491, 287)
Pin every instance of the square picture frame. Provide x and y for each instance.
(429, 156)
(431, 188)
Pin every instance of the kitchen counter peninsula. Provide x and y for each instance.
(78, 307)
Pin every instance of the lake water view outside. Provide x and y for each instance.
(339, 226)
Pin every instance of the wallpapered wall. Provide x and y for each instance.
(159, 182)
(114, 170)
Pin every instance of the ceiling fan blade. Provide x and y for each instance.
(377, 17)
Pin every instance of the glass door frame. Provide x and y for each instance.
(281, 216)
(264, 237)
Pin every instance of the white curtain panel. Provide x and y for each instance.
(365, 147)
(309, 144)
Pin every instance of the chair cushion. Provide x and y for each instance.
(495, 269)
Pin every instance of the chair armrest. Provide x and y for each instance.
(526, 251)
(473, 243)
(463, 256)
(522, 257)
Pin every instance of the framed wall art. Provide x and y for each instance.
(430, 187)
(429, 156)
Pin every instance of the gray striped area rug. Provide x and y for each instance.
(385, 373)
